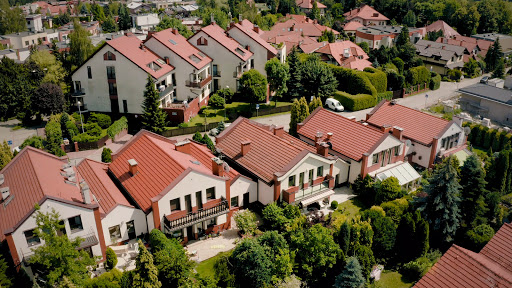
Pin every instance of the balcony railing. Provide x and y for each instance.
(216, 73)
(199, 83)
(311, 190)
(167, 90)
(78, 92)
(196, 217)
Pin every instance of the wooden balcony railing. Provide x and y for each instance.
(199, 84)
(197, 216)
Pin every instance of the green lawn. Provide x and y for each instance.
(391, 279)
(205, 268)
(352, 207)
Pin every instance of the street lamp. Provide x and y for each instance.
(224, 94)
(80, 111)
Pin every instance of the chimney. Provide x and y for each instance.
(86, 193)
(352, 118)
(318, 136)
(279, 131)
(397, 132)
(323, 149)
(212, 19)
(256, 28)
(329, 135)
(385, 128)
(299, 125)
(368, 115)
(248, 48)
(166, 60)
(293, 27)
(174, 31)
(217, 167)
(246, 146)
(183, 147)
(133, 166)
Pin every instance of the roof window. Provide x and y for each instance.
(173, 42)
(240, 51)
(194, 58)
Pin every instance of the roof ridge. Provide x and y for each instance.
(430, 115)
(164, 152)
(493, 266)
(275, 136)
(34, 170)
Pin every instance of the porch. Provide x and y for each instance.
(307, 193)
(174, 223)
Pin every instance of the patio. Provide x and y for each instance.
(126, 255)
(341, 194)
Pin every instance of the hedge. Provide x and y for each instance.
(418, 75)
(352, 82)
(117, 127)
(388, 95)
(355, 102)
(485, 138)
(378, 78)
(435, 81)
(103, 120)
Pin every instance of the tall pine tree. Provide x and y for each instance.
(295, 68)
(153, 118)
(351, 276)
(472, 180)
(299, 112)
(145, 274)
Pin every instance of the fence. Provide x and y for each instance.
(415, 89)
(105, 140)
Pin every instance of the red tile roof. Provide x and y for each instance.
(462, 268)
(101, 186)
(365, 12)
(293, 40)
(352, 26)
(130, 47)
(249, 25)
(292, 26)
(448, 31)
(350, 138)
(482, 44)
(308, 4)
(255, 36)
(32, 176)
(357, 59)
(417, 125)
(268, 153)
(218, 34)
(182, 48)
(204, 155)
(159, 165)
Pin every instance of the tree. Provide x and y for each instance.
(125, 21)
(153, 117)
(4, 280)
(11, 20)
(384, 237)
(277, 251)
(168, 22)
(364, 188)
(54, 138)
(406, 50)
(422, 234)
(315, 103)
(365, 47)
(344, 237)
(111, 259)
(80, 46)
(295, 67)
(5, 154)
(34, 141)
(246, 221)
(98, 12)
(277, 75)
(59, 256)
(499, 70)
(366, 259)
(410, 20)
(299, 112)
(110, 279)
(405, 232)
(198, 137)
(253, 86)
(471, 68)
(477, 237)
(493, 56)
(472, 181)
(145, 274)
(351, 276)
(209, 143)
(328, 35)
(441, 205)
(251, 264)
(48, 99)
(315, 12)
(106, 155)
(54, 72)
(216, 101)
(389, 189)
(109, 25)
(319, 80)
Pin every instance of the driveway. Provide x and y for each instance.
(17, 136)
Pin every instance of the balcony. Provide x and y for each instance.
(167, 90)
(78, 92)
(308, 193)
(199, 83)
(196, 217)
(217, 73)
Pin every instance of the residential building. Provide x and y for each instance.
(249, 35)
(17, 55)
(345, 54)
(505, 41)
(365, 149)
(429, 137)
(34, 23)
(440, 25)
(194, 70)
(440, 57)
(475, 47)
(184, 9)
(230, 58)
(113, 79)
(181, 188)
(285, 168)
(351, 27)
(306, 6)
(487, 101)
(145, 21)
(366, 15)
(460, 267)
(24, 39)
(377, 36)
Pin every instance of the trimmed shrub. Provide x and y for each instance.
(117, 127)
(454, 74)
(418, 75)
(352, 82)
(378, 78)
(54, 138)
(435, 81)
(85, 138)
(395, 80)
(71, 129)
(417, 268)
(103, 120)
(216, 101)
(106, 155)
(111, 259)
(399, 63)
(334, 205)
(388, 95)
(488, 137)
(93, 129)
(183, 125)
(477, 237)
(355, 102)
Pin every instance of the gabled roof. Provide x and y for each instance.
(365, 12)
(445, 51)
(249, 25)
(350, 138)
(307, 28)
(292, 40)
(482, 44)
(488, 92)
(268, 153)
(130, 47)
(308, 4)
(440, 25)
(101, 186)
(459, 267)
(218, 34)
(357, 58)
(33, 176)
(159, 165)
(248, 30)
(352, 26)
(181, 47)
(416, 125)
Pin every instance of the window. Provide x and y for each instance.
(125, 106)
(311, 176)
(111, 72)
(32, 238)
(175, 204)
(291, 181)
(89, 72)
(320, 171)
(115, 233)
(234, 201)
(112, 88)
(375, 159)
(75, 224)
(109, 56)
(210, 193)
(301, 180)
(397, 150)
(78, 86)
(27, 43)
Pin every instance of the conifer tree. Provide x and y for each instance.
(405, 232)
(153, 118)
(80, 46)
(351, 276)
(473, 191)
(344, 237)
(145, 274)
(299, 112)
(209, 143)
(197, 137)
(422, 234)
(295, 68)
(315, 103)
(5, 154)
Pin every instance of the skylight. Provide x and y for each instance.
(195, 162)
(172, 42)
(239, 51)
(160, 61)
(194, 58)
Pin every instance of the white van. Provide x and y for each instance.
(334, 104)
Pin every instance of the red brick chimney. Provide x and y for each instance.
(299, 125)
(246, 146)
(323, 149)
(279, 131)
(256, 28)
(397, 132)
(174, 31)
(318, 136)
(217, 167)
(329, 135)
(133, 167)
(385, 128)
(183, 146)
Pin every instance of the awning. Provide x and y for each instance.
(316, 197)
(404, 173)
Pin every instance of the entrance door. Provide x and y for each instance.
(246, 200)
(130, 228)
(199, 201)
(215, 84)
(114, 106)
(190, 235)
(188, 203)
(337, 180)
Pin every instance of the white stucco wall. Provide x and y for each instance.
(388, 143)
(340, 168)
(241, 186)
(150, 221)
(260, 52)
(265, 193)
(120, 216)
(310, 162)
(422, 156)
(452, 130)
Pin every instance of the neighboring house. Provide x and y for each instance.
(366, 150)
(306, 6)
(430, 137)
(505, 41)
(230, 58)
(475, 47)
(345, 54)
(440, 25)
(113, 79)
(285, 168)
(460, 267)
(37, 177)
(366, 15)
(182, 188)
(440, 57)
(93, 27)
(487, 101)
(377, 36)
(34, 23)
(248, 34)
(351, 27)
(145, 21)
(24, 39)
(194, 76)
(18, 55)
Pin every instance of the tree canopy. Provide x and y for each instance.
(253, 86)
(153, 117)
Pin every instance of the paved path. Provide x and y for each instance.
(17, 136)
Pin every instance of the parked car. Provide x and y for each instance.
(484, 80)
(334, 104)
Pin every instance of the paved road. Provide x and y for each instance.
(17, 136)
(446, 91)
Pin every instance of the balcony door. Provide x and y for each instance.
(199, 200)
(130, 228)
(188, 203)
(301, 180)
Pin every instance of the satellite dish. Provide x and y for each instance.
(467, 130)
(226, 167)
(408, 143)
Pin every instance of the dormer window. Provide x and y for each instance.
(202, 41)
(109, 56)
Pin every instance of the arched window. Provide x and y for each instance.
(109, 56)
